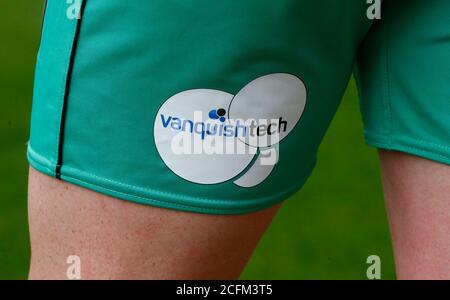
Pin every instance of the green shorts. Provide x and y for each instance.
(220, 106)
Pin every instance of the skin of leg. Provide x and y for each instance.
(417, 193)
(116, 239)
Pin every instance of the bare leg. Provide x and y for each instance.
(417, 193)
(116, 239)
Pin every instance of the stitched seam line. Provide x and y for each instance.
(66, 92)
(401, 146)
(173, 204)
(419, 141)
(257, 202)
(388, 103)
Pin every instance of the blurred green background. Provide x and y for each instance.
(326, 231)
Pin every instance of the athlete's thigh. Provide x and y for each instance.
(417, 195)
(117, 239)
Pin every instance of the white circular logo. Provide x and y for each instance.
(208, 136)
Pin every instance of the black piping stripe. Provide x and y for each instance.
(67, 92)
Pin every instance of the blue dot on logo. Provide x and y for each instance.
(213, 114)
(218, 114)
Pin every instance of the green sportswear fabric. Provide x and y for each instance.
(113, 87)
(404, 79)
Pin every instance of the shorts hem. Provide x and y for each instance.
(136, 195)
(431, 151)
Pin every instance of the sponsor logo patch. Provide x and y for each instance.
(209, 136)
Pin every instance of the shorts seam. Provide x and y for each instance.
(147, 200)
(419, 141)
(125, 185)
(253, 205)
(37, 162)
(388, 102)
(378, 140)
(63, 91)
(66, 89)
